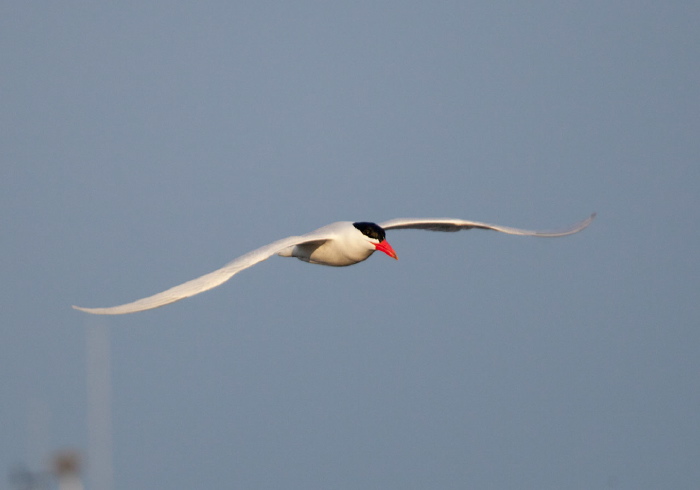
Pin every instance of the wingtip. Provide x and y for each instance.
(92, 311)
(584, 224)
(590, 219)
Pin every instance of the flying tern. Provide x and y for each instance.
(337, 244)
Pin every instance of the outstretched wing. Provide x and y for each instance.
(449, 224)
(207, 281)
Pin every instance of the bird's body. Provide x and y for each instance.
(341, 246)
(338, 244)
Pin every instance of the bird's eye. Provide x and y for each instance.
(370, 230)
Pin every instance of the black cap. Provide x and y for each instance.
(372, 230)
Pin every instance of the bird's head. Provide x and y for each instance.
(376, 236)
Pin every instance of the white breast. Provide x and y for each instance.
(348, 246)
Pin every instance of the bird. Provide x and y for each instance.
(338, 244)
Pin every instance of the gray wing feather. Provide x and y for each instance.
(205, 282)
(451, 225)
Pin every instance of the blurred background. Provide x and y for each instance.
(145, 144)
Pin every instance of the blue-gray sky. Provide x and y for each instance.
(146, 144)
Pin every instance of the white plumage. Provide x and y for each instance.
(337, 244)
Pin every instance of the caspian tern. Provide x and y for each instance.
(338, 244)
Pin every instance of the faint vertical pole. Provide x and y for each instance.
(99, 412)
(38, 440)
